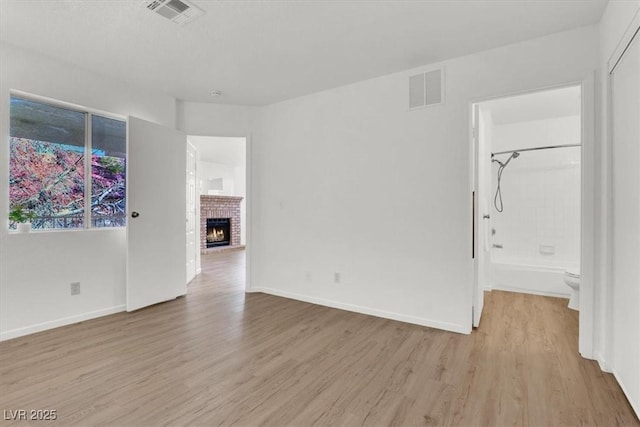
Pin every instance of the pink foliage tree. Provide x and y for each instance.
(48, 179)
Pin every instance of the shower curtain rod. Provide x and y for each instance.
(536, 148)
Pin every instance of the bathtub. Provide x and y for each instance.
(519, 276)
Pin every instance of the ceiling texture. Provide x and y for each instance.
(261, 52)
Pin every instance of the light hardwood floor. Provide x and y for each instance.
(221, 357)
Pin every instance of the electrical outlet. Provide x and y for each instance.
(75, 288)
(308, 276)
(336, 277)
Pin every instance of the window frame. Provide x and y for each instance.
(88, 114)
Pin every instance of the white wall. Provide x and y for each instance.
(197, 118)
(615, 21)
(348, 180)
(36, 269)
(217, 172)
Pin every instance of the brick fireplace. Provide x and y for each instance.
(220, 208)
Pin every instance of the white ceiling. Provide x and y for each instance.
(535, 106)
(260, 52)
(227, 151)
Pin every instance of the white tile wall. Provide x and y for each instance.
(541, 194)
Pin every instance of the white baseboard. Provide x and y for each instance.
(15, 333)
(530, 291)
(452, 327)
(634, 405)
(604, 366)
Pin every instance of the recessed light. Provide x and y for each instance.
(215, 93)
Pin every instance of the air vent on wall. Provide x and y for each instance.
(426, 89)
(178, 11)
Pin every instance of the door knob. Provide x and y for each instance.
(135, 214)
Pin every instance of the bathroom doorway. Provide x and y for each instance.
(528, 155)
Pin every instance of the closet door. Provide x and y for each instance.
(625, 92)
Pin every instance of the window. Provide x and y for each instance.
(52, 177)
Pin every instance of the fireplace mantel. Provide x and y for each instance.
(220, 207)
(221, 199)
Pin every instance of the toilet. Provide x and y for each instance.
(572, 279)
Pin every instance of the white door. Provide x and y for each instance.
(156, 225)
(193, 229)
(478, 222)
(625, 92)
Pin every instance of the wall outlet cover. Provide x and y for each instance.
(75, 288)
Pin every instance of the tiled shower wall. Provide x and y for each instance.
(540, 224)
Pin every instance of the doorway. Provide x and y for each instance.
(528, 174)
(220, 196)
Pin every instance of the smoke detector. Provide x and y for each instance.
(180, 12)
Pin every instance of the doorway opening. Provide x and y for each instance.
(216, 198)
(528, 155)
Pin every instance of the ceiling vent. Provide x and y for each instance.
(180, 12)
(426, 89)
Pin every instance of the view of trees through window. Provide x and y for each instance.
(48, 166)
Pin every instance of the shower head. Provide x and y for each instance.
(512, 156)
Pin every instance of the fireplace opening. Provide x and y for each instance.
(218, 232)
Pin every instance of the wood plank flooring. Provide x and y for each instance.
(222, 357)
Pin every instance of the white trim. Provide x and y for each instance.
(586, 330)
(66, 230)
(605, 297)
(634, 405)
(248, 199)
(88, 152)
(530, 291)
(563, 85)
(196, 210)
(625, 41)
(248, 160)
(88, 168)
(452, 327)
(587, 237)
(15, 333)
(604, 366)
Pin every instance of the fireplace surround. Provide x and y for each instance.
(218, 210)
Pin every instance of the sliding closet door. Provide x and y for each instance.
(625, 92)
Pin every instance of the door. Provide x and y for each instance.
(193, 229)
(625, 92)
(478, 222)
(156, 227)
